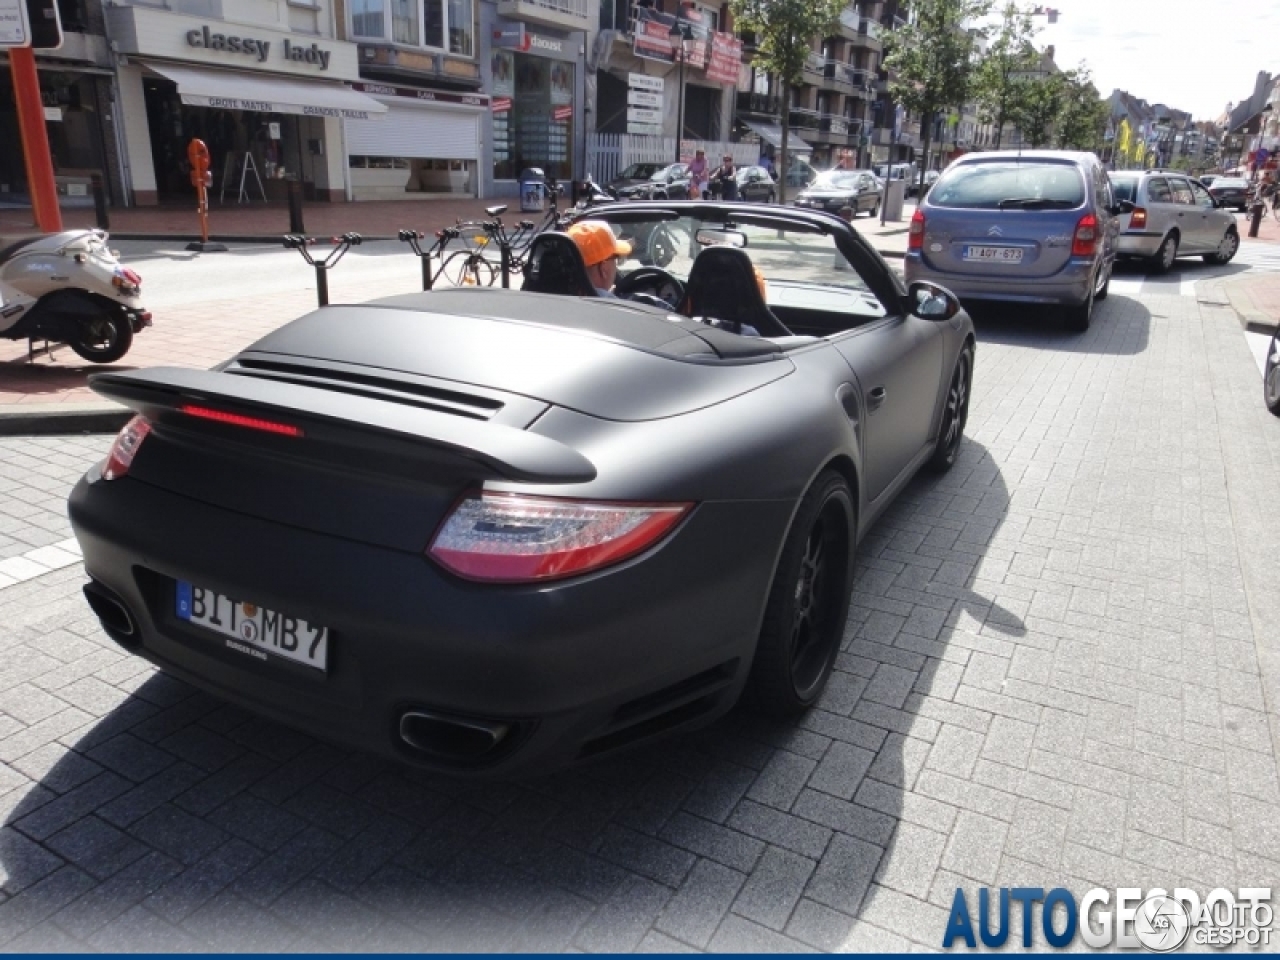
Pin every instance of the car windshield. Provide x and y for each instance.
(1009, 184)
(836, 179)
(662, 173)
(1124, 187)
(640, 171)
(801, 267)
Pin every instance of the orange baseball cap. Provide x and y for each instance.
(596, 241)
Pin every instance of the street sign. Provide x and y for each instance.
(645, 129)
(15, 30)
(642, 98)
(643, 115)
(639, 81)
(46, 24)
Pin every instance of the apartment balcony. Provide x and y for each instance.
(760, 105)
(844, 78)
(557, 14)
(814, 65)
(859, 30)
(799, 119)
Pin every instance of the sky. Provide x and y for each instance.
(1189, 56)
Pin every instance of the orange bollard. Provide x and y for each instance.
(201, 179)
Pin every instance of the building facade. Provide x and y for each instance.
(82, 120)
(265, 85)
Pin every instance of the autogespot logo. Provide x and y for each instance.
(1156, 919)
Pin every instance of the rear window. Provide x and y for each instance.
(1228, 183)
(1124, 189)
(1007, 185)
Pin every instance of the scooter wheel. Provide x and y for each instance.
(105, 339)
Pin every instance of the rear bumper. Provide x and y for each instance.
(1138, 244)
(575, 670)
(1070, 286)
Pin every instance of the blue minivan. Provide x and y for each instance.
(1034, 227)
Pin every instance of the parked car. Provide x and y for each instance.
(1271, 376)
(1230, 192)
(799, 172)
(1208, 179)
(835, 189)
(930, 178)
(1035, 227)
(754, 183)
(493, 532)
(660, 182)
(1173, 216)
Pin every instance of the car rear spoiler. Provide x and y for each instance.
(346, 420)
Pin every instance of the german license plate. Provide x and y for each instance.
(248, 628)
(998, 254)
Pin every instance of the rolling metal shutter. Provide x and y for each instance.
(425, 132)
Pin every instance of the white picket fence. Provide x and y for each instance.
(608, 154)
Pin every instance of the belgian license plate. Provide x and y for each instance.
(998, 254)
(250, 629)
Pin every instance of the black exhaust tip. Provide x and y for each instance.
(112, 612)
(454, 739)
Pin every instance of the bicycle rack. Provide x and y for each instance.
(414, 239)
(322, 267)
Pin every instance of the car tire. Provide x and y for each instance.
(804, 618)
(771, 198)
(1100, 293)
(955, 413)
(1078, 318)
(1165, 256)
(875, 211)
(1271, 378)
(1227, 248)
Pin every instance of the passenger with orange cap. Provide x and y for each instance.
(601, 251)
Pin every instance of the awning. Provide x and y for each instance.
(230, 90)
(772, 133)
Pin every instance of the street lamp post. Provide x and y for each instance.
(680, 29)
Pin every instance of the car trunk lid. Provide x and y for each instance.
(1025, 243)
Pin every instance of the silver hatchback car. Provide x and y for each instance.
(1173, 216)
(1031, 227)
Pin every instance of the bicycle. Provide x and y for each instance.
(469, 267)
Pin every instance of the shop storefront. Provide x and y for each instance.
(427, 144)
(535, 115)
(77, 107)
(269, 104)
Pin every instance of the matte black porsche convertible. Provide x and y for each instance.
(494, 532)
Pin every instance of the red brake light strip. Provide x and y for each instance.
(236, 420)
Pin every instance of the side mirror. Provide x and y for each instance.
(928, 301)
(1123, 206)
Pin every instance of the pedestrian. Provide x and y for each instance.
(698, 175)
(766, 161)
(725, 179)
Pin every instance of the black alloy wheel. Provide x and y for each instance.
(1271, 378)
(955, 414)
(808, 602)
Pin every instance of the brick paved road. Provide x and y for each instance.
(1053, 675)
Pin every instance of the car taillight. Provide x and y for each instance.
(1085, 241)
(516, 538)
(238, 420)
(915, 236)
(125, 448)
(1138, 218)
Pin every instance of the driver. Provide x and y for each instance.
(601, 251)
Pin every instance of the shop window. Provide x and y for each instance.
(529, 133)
(461, 37)
(435, 24)
(369, 19)
(404, 22)
(379, 163)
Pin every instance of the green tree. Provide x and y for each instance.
(930, 60)
(1000, 80)
(784, 31)
(1082, 120)
(1040, 109)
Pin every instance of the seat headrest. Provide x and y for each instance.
(555, 265)
(722, 284)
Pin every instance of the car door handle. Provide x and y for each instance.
(876, 397)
